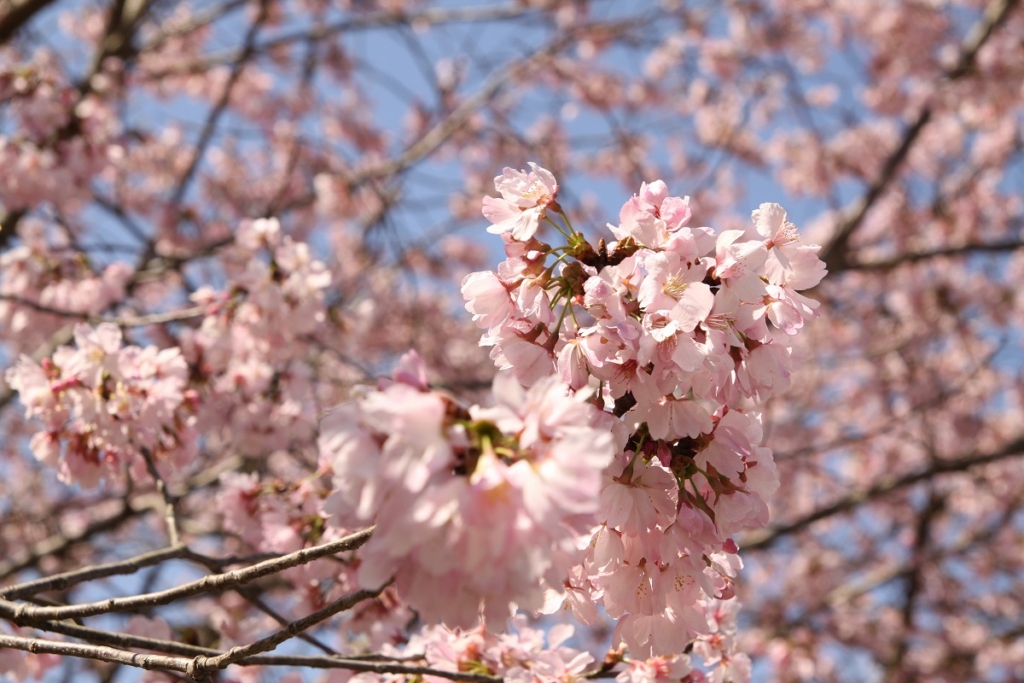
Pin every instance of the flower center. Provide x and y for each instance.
(675, 286)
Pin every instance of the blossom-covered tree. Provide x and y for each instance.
(277, 407)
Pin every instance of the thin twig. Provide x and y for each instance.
(57, 544)
(43, 308)
(59, 582)
(132, 321)
(893, 569)
(431, 140)
(316, 662)
(429, 16)
(170, 502)
(253, 598)
(194, 23)
(212, 119)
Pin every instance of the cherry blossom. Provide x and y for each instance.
(452, 495)
(224, 222)
(525, 198)
(108, 403)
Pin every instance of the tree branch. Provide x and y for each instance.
(22, 614)
(202, 664)
(218, 109)
(170, 502)
(432, 16)
(453, 122)
(385, 666)
(59, 582)
(892, 570)
(17, 15)
(95, 652)
(57, 544)
(766, 537)
(916, 257)
(834, 254)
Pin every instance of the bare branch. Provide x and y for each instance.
(202, 664)
(58, 544)
(170, 502)
(443, 130)
(27, 614)
(97, 652)
(17, 14)
(766, 537)
(43, 308)
(133, 321)
(315, 662)
(917, 257)
(198, 21)
(63, 581)
(253, 597)
(834, 253)
(432, 16)
(437, 135)
(218, 109)
(376, 665)
(893, 569)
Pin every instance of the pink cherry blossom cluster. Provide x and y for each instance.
(533, 655)
(45, 270)
(102, 403)
(677, 330)
(667, 310)
(523, 655)
(264, 521)
(279, 516)
(485, 506)
(64, 137)
(251, 349)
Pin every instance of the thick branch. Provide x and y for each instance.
(18, 14)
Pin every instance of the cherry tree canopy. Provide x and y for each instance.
(286, 364)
